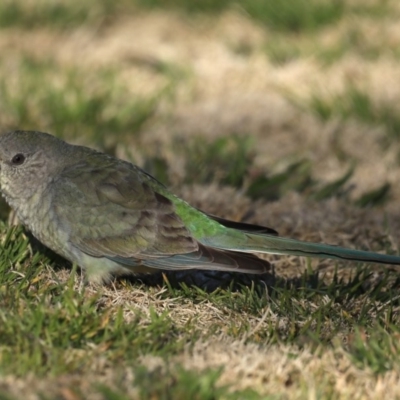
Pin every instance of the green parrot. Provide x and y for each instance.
(110, 217)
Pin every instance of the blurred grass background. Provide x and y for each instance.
(279, 113)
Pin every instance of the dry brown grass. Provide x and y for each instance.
(221, 92)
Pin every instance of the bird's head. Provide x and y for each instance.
(28, 160)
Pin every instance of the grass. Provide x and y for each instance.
(60, 15)
(296, 15)
(314, 329)
(89, 105)
(224, 160)
(356, 103)
(288, 16)
(229, 161)
(50, 326)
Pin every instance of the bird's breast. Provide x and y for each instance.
(37, 214)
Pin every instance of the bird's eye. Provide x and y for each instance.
(18, 159)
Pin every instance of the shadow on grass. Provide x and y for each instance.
(379, 285)
(364, 281)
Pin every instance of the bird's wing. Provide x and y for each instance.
(111, 211)
(207, 258)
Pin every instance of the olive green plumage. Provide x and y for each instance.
(111, 217)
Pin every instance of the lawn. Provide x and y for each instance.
(284, 114)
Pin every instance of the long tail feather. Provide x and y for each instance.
(258, 243)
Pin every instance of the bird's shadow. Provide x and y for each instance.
(362, 281)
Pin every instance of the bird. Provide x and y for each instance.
(111, 218)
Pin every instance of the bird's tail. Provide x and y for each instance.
(261, 243)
